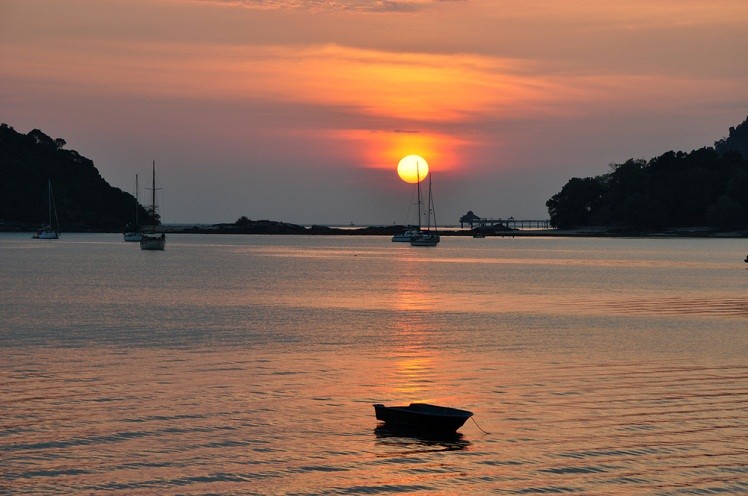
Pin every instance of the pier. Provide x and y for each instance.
(475, 221)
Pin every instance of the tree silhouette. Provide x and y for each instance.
(706, 187)
(84, 200)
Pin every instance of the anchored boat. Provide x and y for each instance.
(425, 237)
(152, 241)
(131, 232)
(422, 416)
(50, 231)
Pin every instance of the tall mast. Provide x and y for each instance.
(136, 202)
(153, 199)
(49, 201)
(431, 203)
(428, 208)
(431, 207)
(418, 183)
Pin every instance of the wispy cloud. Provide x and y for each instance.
(333, 5)
(403, 86)
(409, 88)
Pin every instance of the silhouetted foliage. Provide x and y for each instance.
(84, 200)
(706, 187)
(736, 140)
(243, 221)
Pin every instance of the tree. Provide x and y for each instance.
(84, 200)
(706, 187)
(572, 207)
(737, 140)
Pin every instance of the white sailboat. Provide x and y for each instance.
(48, 232)
(406, 235)
(153, 241)
(410, 231)
(131, 231)
(426, 237)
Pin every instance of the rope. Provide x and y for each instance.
(479, 427)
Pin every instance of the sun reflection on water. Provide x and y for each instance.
(415, 361)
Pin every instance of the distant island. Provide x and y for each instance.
(707, 187)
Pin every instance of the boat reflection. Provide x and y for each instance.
(411, 440)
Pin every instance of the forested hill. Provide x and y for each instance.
(704, 188)
(84, 200)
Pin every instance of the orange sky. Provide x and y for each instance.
(300, 110)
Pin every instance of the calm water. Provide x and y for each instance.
(249, 365)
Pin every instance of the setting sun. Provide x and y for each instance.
(412, 169)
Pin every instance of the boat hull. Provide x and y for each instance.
(47, 235)
(422, 416)
(405, 237)
(425, 240)
(153, 242)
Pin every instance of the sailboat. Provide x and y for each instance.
(425, 237)
(131, 230)
(406, 235)
(410, 231)
(47, 232)
(152, 241)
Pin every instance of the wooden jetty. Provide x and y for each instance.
(475, 221)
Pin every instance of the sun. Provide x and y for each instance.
(412, 169)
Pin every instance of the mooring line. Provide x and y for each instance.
(479, 427)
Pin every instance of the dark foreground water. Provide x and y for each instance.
(249, 365)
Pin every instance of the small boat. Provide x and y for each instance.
(131, 232)
(152, 241)
(407, 235)
(48, 232)
(423, 417)
(425, 237)
(132, 235)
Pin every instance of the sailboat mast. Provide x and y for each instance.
(431, 205)
(136, 202)
(428, 205)
(49, 201)
(431, 200)
(153, 200)
(418, 184)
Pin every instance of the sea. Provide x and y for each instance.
(249, 365)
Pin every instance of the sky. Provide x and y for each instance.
(300, 110)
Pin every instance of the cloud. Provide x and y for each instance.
(333, 5)
(404, 86)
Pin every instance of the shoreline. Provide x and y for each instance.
(284, 229)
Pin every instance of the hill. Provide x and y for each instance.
(84, 200)
(707, 187)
